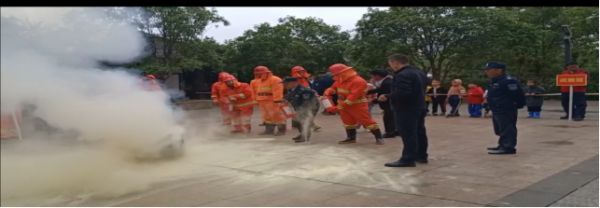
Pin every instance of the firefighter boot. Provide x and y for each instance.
(269, 129)
(378, 137)
(280, 130)
(350, 138)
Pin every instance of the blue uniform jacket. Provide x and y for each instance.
(505, 94)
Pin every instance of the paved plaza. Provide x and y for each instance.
(224, 170)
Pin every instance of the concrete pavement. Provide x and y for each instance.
(224, 170)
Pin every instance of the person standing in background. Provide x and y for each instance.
(475, 100)
(579, 102)
(438, 97)
(533, 99)
(455, 94)
(427, 99)
(383, 84)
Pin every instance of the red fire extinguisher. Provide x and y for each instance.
(288, 111)
(325, 102)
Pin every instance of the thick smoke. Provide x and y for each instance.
(50, 59)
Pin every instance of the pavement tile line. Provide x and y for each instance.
(537, 196)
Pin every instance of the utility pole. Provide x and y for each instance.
(567, 43)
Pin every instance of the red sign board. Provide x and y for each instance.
(571, 80)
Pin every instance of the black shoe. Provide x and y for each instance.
(424, 161)
(379, 141)
(578, 119)
(297, 137)
(503, 152)
(564, 118)
(401, 163)
(434, 114)
(493, 148)
(388, 135)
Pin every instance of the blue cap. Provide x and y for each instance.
(494, 65)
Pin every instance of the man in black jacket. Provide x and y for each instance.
(407, 98)
(383, 84)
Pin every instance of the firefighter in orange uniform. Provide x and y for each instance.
(150, 83)
(8, 127)
(301, 74)
(217, 90)
(352, 104)
(241, 99)
(268, 92)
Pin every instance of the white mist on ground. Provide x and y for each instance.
(49, 59)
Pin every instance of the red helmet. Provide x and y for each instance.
(297, 69)
(222, 75)
(261, 69)
(338, 68)
(150, 76)
(228, 77)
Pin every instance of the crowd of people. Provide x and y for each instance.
(404, 96)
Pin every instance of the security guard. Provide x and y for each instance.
(305, 104)
(505, 97)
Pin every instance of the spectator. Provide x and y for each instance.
(533, 100)
(486, 106)
(427, 99)
(475, 100)
(455, 94)
(579, 102)
(383, 83)
(438, 97)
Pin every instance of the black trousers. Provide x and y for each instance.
(438, 101)
(411, 127)
(505, 126)
(579, 104)
(388, 121)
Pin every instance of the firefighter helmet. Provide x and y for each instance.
(338, 68)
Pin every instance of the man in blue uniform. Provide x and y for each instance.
(505, 96)
(305, 104)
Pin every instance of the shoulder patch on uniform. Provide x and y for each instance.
(512, 86)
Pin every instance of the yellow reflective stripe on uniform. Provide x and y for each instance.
(242, 95)
(350, 126)
(372, 126)
(245, 104)
(342, 90)
(264, 88)
(361, 100)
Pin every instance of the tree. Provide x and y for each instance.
(294, 41)
(174, 36)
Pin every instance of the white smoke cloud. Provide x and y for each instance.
(49, 58)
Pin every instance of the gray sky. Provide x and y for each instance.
(245, 18)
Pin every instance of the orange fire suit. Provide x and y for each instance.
(352, 105)
(217, 91)
(8, 128)
(242, 101)
(268, 93)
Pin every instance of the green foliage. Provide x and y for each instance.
(308, 42)
(449, 42)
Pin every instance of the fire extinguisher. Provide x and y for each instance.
(325, 102)
(288, 111)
